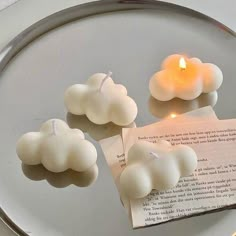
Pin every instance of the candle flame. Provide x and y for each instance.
(182, 63)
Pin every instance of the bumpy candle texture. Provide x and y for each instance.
(184, 78)
(57, 148)
(101, 100)
(155, 166)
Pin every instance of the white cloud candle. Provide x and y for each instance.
(101, 100)
(155, 166)
(57, 148)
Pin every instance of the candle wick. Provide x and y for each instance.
(153, 154)
(54, 127)
(104, 80)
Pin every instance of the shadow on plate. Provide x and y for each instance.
(97, 132)
(63, 179)
(161, 109)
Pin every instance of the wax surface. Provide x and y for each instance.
(101, 105)
(57, 147)
(187, 83)
(156, 166)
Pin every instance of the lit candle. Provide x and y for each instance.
(57, 148)
(184, 78)
(155, 166)
(101, 100)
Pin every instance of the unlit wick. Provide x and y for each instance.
(153, 154)
(104, 80)
(54, 127)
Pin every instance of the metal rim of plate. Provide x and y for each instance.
(80, 12)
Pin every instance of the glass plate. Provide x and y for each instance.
(130, 38)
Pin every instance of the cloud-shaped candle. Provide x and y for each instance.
(184, 78)
(101, 100)
(57, 147)
(155, 166)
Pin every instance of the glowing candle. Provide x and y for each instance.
(184, 78)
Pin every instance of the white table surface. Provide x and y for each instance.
(23, 13)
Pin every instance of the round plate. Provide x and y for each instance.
(130, 38)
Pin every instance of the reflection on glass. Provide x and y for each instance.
(177, 106)
(95, 131)
(63, 179)
(173, 115)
